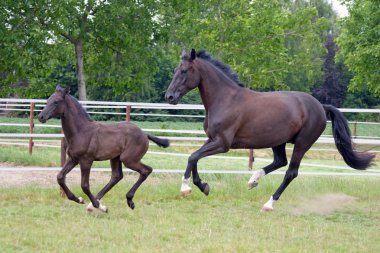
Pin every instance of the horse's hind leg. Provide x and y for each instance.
(61, 179)
(117, 175)
(144, 172)
(279, 161)
(290, 174)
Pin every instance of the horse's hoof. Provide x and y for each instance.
(206, 190)
(81, 200)
(131, 204)
(252, 185)
(90, 208)
(266, 209)
(102, 208)
(184, 194)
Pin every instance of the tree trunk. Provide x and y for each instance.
(80, 70)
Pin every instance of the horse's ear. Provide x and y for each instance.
(192, 54)
(67, 90)
(184, 54)
(58, 88)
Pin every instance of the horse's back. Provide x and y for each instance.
(119, 139)
(273, 118)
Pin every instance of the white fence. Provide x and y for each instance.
(33, 106)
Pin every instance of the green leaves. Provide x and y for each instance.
(359, 44)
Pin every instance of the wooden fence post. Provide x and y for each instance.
(251, 159)
(63, 150)
(128, 113)
(355, 126)
(31, 126)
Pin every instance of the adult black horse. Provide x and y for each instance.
(239, 118)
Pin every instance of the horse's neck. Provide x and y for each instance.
(72, 120)
(215, 88)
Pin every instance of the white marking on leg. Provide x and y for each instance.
(185, 187)
(269, 205)
(102, 207)
(254, 180)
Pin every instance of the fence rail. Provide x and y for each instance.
(33, 106)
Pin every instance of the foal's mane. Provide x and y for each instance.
(203, 54)
(80, 108)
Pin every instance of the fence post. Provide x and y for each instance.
(63, 150)
(355, 126)
(128, 113)
(251, 159)
(31, 126)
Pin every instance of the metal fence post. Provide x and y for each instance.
(31, 126)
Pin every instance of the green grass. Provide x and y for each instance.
(36, 219)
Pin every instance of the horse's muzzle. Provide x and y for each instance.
(42, 118)
(172, 98)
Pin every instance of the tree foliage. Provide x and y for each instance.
(359, 44)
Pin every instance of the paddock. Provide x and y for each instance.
(328, 208)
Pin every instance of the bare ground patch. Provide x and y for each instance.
(324, 204)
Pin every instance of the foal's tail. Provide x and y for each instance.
(342, 137)
(163, 143)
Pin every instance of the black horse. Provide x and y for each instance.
(237, 117)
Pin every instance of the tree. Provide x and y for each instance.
(359, 44)
(110, 39)
(252, 36)
(334, 87)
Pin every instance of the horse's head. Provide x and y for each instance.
(55, 105)
(185, 78)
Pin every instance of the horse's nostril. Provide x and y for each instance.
(170, 98)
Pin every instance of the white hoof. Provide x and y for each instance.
(269, 205)
(81, 200)
(254, 180)
(102, 208)
(185, 187)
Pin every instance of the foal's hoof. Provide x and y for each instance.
(206, 189)
(81, 200)
(102, 208)
(131, 204)
(186, 193)
(252, 185)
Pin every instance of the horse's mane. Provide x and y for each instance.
(80, 108)
(203, 54)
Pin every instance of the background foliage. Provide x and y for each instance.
(130, 47)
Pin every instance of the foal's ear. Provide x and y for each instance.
(192, 54)
(67, 90)
(184, 54)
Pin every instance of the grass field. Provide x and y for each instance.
(315, 214)
(36, 219)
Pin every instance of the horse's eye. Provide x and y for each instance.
(183, 71)
(55, 102)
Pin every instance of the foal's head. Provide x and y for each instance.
(55, 105)
(185, 78)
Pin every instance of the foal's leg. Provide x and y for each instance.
(211, 147)
(61, 179)
(291, 173)
(278, 162)
(117, 175)
(144, 171)
(85, 168)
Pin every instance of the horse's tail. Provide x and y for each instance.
(163, 143)
(343, 142)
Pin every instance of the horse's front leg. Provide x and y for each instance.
(85, 168)
(211, 147)
(61, 179)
